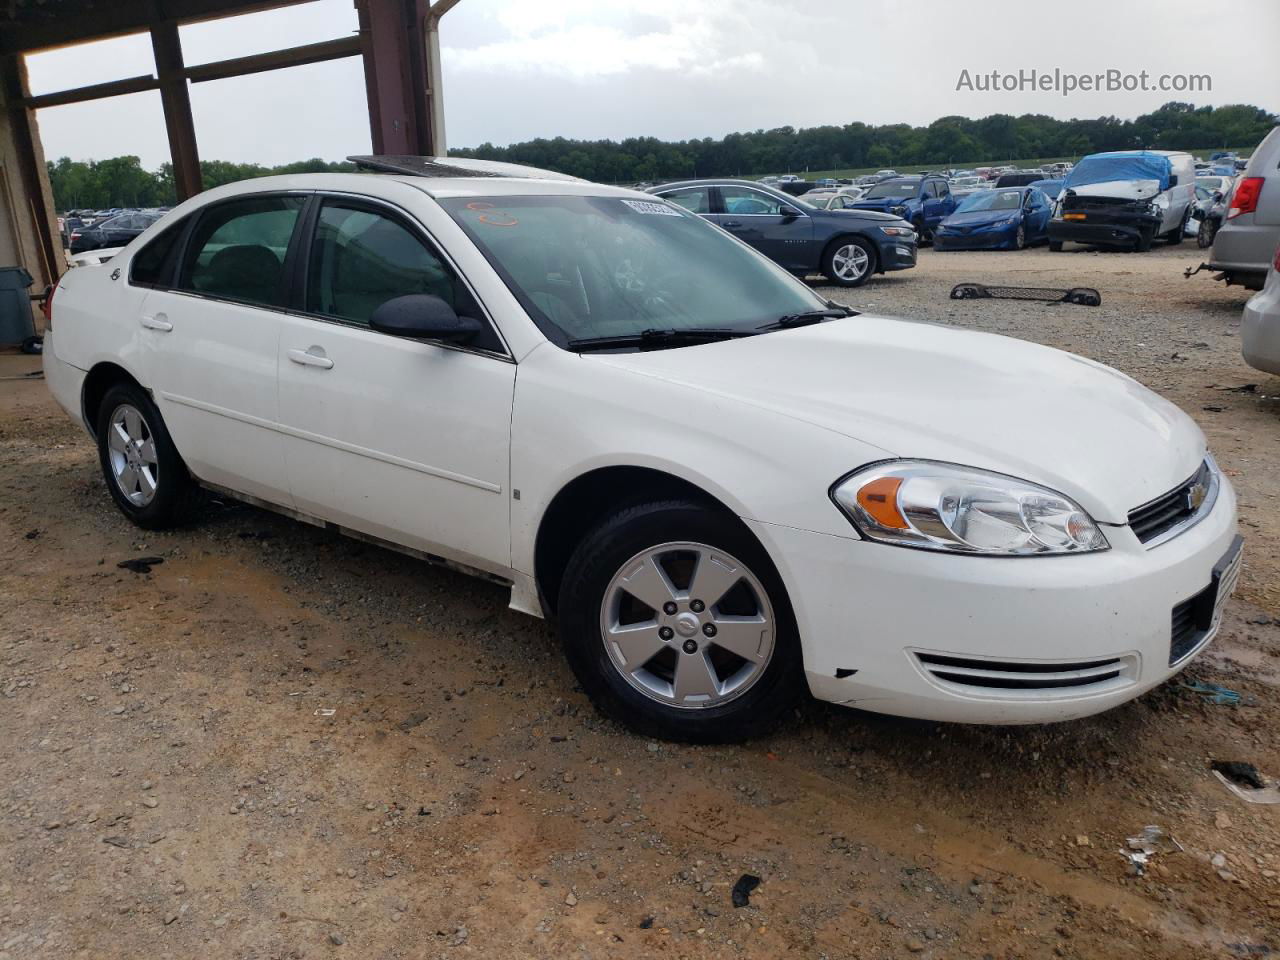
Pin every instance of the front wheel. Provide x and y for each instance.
(677, 625)
(1055, 246)
(144, 472)
(1020, 238)
(1205, 234)
(849, 262)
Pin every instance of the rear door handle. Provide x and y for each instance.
(311, 357)
(158, 322)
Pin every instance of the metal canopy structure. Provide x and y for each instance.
(398, 41)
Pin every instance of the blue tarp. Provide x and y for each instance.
(1127, 165)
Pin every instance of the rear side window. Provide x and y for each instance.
(237, 250)
(153, 265)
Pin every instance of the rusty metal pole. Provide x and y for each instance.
(26, 140)
(176, 100)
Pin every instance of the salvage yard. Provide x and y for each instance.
(277, 743)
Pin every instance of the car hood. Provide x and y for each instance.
(924, 391)
(974, 218)
(1120, 189)
(879, 203)
(869, 216)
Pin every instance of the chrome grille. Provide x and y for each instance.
(1175, 508)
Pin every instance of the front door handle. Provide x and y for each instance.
(158, 322)
(732, 223)
(311, 357)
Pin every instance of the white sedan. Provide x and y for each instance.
(726, 489)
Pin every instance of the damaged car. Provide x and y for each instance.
(1125, 199)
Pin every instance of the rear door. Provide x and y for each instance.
(694, 199)
(210, 341)
(778, 229)
(405, 440)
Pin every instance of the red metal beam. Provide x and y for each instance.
(97, 91)
(276, 60)
(178, 121)
(393, 40)
(13, 78)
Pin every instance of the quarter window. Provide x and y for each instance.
(693, 199)
(153, 264)
(238, 248)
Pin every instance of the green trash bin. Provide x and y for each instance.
(17, 326)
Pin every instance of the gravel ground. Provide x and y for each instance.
(282, 744)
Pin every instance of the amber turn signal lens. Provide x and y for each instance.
(879, 499)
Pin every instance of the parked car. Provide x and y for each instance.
(1002, 218)
(1217, 184)
(922, 201)
(1260, 329)
(1019, 178)
(847, 247)
(1208, 214)
(1245, 243)
(112, 232)
(724, 487)
(830, 201)
(962, 185)
(1050, 188)
(1125, 199)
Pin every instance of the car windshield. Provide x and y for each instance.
(893, 188)
(586, 267)
(991, 200)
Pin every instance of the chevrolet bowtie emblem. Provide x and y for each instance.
(1196, 495)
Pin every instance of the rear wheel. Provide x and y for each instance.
(676, 624)
(1175, 236)
(145, 475)
(850, 262)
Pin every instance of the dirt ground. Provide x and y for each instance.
(283, 744)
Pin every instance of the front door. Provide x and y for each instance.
(778, 229)
(210, 343)
(405, 440)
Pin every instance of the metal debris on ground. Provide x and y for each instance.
(742, 889)
(1142, 848)
(1084, 296)
(1220, 696)
(325, 711)
(140, 564)
(1244, 780)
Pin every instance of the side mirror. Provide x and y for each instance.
(1217, 196)
(425, 316)
(789, 213)
(1173, 180)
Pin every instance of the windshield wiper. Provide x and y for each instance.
(656, 339)
(808, 317)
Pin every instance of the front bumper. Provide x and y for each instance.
(977, 240)
(896, 254)
(1101, 232)
(868, 612)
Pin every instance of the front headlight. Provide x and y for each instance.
(898, 211)
(942, 506)
(898, 231)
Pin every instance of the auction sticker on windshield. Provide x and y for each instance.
(644, 206)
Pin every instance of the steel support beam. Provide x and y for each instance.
(26, 140)
(276, 60)
(176, 100)
(394, 43)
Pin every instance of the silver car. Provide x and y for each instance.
(1247, 239)
(1260, 330)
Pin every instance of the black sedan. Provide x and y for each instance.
(847, 246)
(113, 232)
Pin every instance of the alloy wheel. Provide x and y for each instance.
(131, 448)
(850, 262)
(687, 625)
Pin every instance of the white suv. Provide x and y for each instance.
(725, 488)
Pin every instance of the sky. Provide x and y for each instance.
(594, 69)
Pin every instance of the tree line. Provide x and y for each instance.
(953, 140)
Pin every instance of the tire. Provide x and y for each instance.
(158, 492)
(1205, 235)
(1020, 238)
(1143, 243)
(636, 679)
(841, 262)
(924, 233)
(1055, 246)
